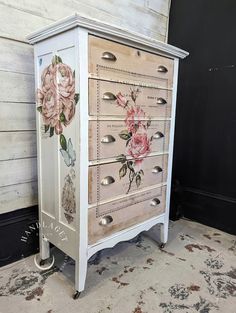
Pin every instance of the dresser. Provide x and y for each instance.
(105, 100)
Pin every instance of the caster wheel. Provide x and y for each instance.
(76, 295)
(162, 245)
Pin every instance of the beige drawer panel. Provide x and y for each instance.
(102, 99)
(115, 216)
(110, 180)
(115, 61)
(102, 131)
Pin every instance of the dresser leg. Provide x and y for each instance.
(80, 277)
(44, 248)
(164, 234)
(76, 295)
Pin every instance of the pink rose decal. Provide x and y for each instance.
(139, 145)
(56, 98)
(137, 142)
(134, 118)
(50, 108)
(121, 100)
(64, 81)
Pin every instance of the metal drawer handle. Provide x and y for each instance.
(108, 96)
(108, 180)
(162, 69)
(156, 170)
(155, 202)
(158, 135)
(161, 101)
(108, 56)
(108, 139)
(105, 220)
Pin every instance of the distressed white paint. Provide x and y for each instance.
(25, 15)
(17, 116)
(71, 34)
(19, 195)
(159, 6)
(16, 56)
(17, 145)
(17, 87)
(17, 171)
(17, 20)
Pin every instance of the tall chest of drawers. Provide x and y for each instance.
(105, 128)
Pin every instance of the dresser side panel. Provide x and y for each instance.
(57, 92)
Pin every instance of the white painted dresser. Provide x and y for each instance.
(105, 128)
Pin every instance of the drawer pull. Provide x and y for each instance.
(155, 202)
(105, 220)
(108, 96)
(108, 56)
(108, 180)
(161, 101)
(158, 135)
(108, 139)
(156, 170)
(162, 69)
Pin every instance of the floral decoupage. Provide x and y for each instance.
(56, 101)
(138, 145)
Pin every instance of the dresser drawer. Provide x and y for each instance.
(106, 138)
(104, 95)
(115, 61)
(113, 179)
(115, 216)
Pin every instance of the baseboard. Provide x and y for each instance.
(13, 226)
(210, 209)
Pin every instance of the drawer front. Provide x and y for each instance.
(104, 96)
(114, 61)
(115, 216)
(108, 139)
(110, 180)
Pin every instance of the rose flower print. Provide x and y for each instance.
(138, 144)
(56, 98)
(134, 118)
(56, 101)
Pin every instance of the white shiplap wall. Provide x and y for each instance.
(18, 18)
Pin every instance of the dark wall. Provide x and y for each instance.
(204, 172)
(18, 234)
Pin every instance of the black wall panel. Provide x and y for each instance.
(205, 142)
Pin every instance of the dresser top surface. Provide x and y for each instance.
(104, 29)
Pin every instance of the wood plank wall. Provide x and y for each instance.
(18, 18)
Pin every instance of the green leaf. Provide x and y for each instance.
(123, 170)
(149, 123)
(141, 172)
(62, 117)
(56, 59)
(127, 142)
(51, 131)
(76, 97)
(63, 142)
(130, 165)
(59, 60)
(46, 128)
(121, 158)
(131, 175)
(40, 108)
(138, 180)
(124, 134)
